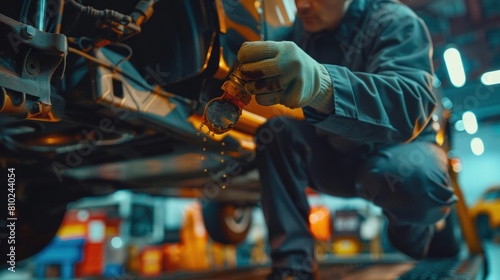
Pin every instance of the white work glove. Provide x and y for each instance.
(282, 73)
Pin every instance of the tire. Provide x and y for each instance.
(483, 227)
(227, 223)
(39, 211)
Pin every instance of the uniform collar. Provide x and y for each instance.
(350, 20)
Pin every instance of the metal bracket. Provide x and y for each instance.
(29, 59)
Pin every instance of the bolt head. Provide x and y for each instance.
(28, 32)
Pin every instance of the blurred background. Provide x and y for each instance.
(466, 37)
(128, 235)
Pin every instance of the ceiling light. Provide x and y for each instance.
(491, 78)
(455, 67)
(470, 122)
(477, 146)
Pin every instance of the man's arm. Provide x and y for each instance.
(392, 101)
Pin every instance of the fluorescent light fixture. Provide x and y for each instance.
(470, 122)
(491, 78)
(477, 146)
(455, 67)
(459, 125)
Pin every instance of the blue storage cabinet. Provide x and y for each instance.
(65, 253)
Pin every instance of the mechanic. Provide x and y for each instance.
(362, 73)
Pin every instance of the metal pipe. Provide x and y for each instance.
(60, 16)
(41, 14)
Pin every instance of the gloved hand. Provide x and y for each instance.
(281, 72)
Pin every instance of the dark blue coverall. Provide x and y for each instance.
(377, 143)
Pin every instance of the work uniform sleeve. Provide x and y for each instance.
(392, 101)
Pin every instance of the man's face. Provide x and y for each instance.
(320, 15)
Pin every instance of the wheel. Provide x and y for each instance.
(227, 223)
(483, 227)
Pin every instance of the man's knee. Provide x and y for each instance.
(413, 197)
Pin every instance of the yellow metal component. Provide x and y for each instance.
(222, 16)
(72, 231)
(152, 262)
(346, 246)
(224, 69)
(246, 140)
(489, 208)
(467, 225)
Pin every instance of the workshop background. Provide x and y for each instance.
(126, 234)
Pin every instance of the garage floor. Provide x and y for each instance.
(339, 272)
(328, 271)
